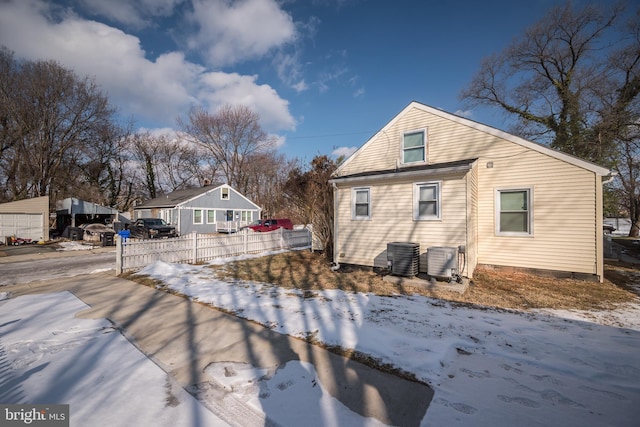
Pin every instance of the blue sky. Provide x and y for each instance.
(324, 75)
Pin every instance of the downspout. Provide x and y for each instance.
(599, 230)
(336, 264)
(611, 177)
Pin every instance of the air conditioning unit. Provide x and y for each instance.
(403, 258)
(442, 261)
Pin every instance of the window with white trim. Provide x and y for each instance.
(426, 201)
(414, 147)
(514, 212)
(361, 203)
(211, 216)
(224, 193)
(197, 216)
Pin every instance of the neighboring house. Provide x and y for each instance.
(439, 180)
(25, 219)
(206, 209)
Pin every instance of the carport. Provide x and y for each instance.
(25, 219)
(72, 212)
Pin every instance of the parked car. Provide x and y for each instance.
(271, 224)
(94, 233)
(152, 228)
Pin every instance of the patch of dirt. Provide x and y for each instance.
(493, 288)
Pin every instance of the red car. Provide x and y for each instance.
(271, 224)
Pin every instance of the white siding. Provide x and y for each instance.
(27, 218)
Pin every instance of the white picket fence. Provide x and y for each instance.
(135, 254)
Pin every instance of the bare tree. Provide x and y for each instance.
(166, 163)
(144, 151)
(549, 80)
(50, 116)
(9, 129)
(572, 81)
(181, 165)
(310, 192)
(231, 137)
(266, 175)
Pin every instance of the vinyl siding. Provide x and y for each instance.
(566, 201)
(364, 242)
(471, 255)
(564, 216)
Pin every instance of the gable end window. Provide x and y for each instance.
(426, 201)
(514, 212)
(361, 203)
(414, 147)
(224, 193)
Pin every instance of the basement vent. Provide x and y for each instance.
(403, 258)
(442, 261)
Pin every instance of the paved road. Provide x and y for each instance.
(50, 264)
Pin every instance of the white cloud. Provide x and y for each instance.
(344, 151)
(154, 91)
(464, 113)
(289, 70)
(223, 88)
(136, 14)
(230, 32)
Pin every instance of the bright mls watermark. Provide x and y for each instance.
(34, 415)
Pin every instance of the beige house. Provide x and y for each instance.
(466, 194)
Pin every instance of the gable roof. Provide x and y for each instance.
(176, 198)
(179, 197)
(599, 170)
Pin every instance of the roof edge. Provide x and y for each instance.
(568, 158)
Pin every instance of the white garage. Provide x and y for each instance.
(26, 219)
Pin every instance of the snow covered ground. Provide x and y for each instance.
(487, 366)
(47, 356)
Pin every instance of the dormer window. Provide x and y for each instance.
(414, 147)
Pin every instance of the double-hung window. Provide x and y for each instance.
(514, 212)
(197, 216)
(211, 216)
(361, 203)
(414, 147)
(426, 201)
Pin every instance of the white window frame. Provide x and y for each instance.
(403, 149)
(201, 216)
(225, 191)
(498, 208)
(214, 216)
(354, 193)
(166, 215)
(438, 201)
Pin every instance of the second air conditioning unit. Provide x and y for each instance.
(403, 258)
(442, 261)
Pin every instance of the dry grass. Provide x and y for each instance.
(510, 290)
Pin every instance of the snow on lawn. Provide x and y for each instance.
(75, 246)
(487, 366)
(47, 356)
